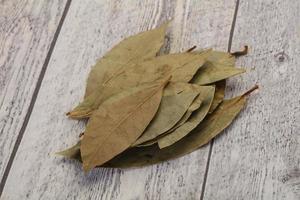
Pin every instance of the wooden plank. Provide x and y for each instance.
(259, 156)
(26, 32)
(90, 29)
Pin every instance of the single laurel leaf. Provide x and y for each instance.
(127, 51)
(118, 122)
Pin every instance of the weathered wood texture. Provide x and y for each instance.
(90, 29)
(26, 31)
(259, 156)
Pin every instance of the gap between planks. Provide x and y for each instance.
(211, 144)
(34, 96)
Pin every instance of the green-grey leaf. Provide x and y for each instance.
(193, 107)
(207, 95)
(224, 59)
(176, 100)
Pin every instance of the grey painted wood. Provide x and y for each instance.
(90, 29)
(259, 156)
(26, 31)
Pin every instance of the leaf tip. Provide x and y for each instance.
(161, 145)
(169, 20)
(86, 167)
(60, 153)
(164, 25)
(79, 114)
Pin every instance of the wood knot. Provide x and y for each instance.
(281, 56)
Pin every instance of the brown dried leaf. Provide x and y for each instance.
(141, 156)
(208, 129)
(183, 67)
(213, 72)
(127, 51)
(220, 59)
(118, 122)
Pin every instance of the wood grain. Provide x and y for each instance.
(26, 31)
(259, 156)
(90, 29)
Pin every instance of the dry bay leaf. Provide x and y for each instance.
(137, 47)
(207, 95)
(228, 60)
(123, 81)
(118, 122)
(212, 72)
(222, 117)
(221, 59)
(142, 156)
(193, 107)
(176, 100)
(183, 68)
(219, 95)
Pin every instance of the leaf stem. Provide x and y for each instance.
(191, 49)
(240, 53)
(251, 90)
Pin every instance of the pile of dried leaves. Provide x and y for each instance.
(144, 108)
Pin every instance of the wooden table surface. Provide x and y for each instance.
(48, 47)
